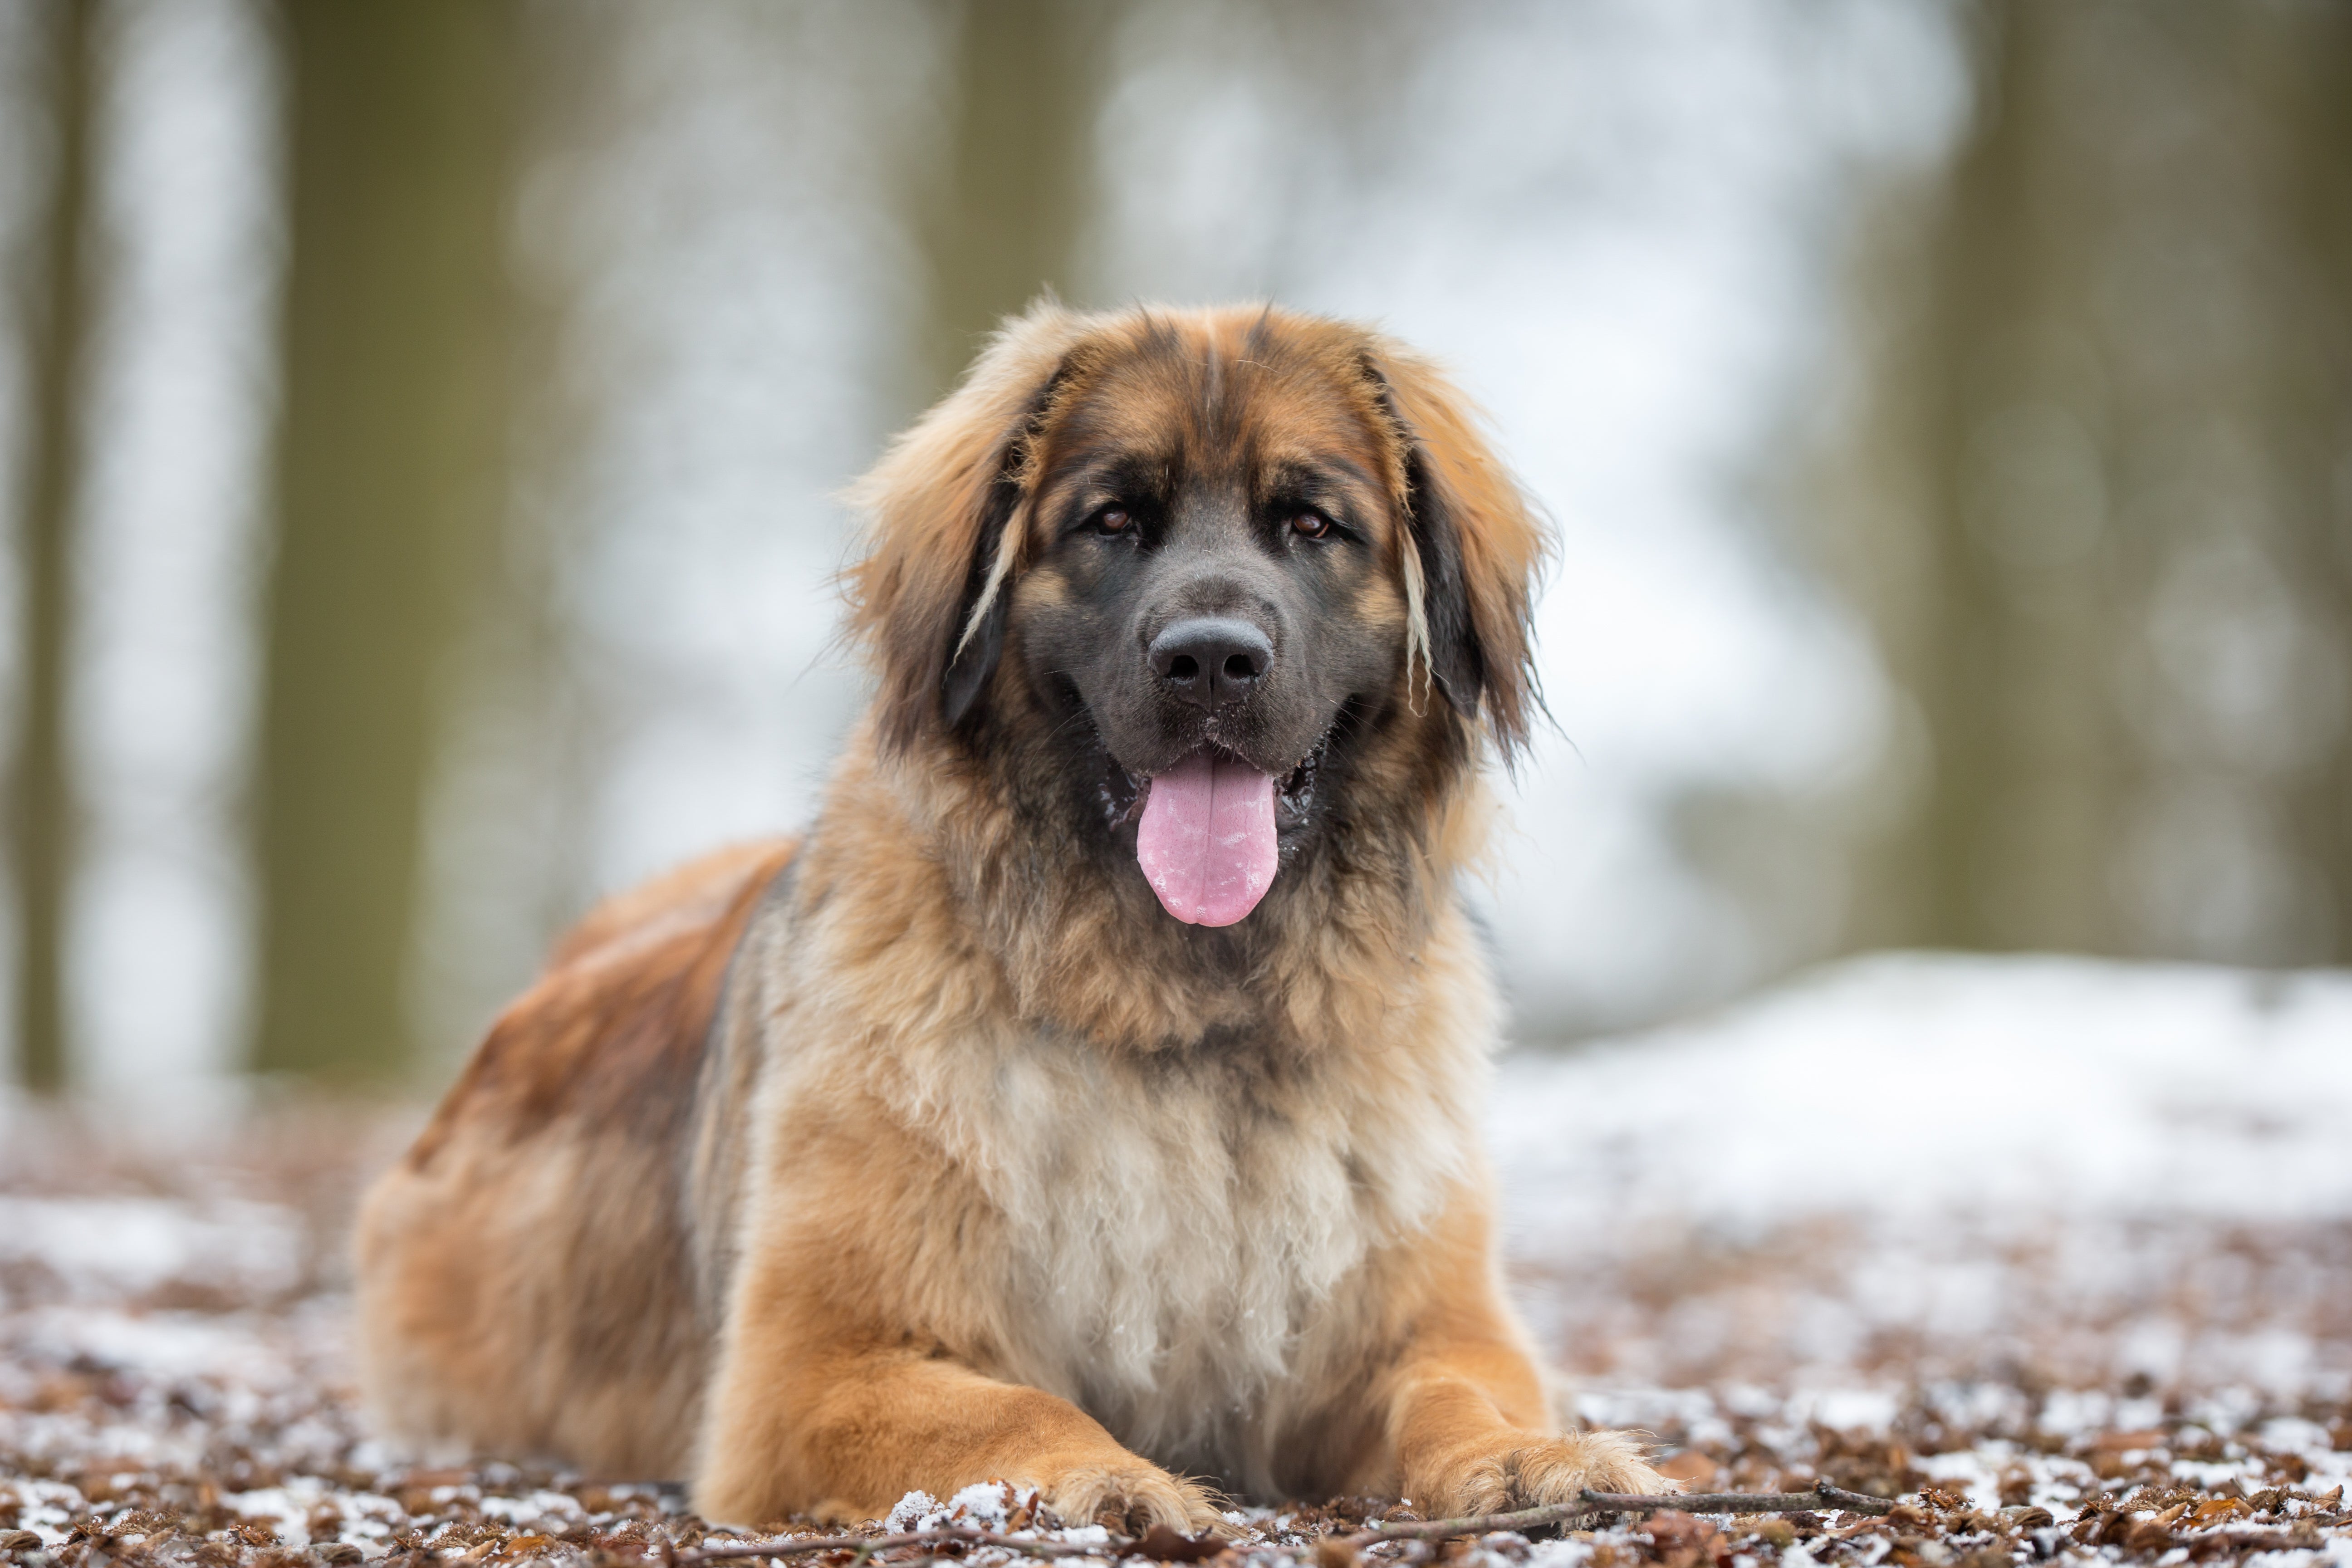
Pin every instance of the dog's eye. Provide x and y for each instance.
(1311, 525)
(1112, 519)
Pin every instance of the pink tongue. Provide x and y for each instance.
(1206, 840)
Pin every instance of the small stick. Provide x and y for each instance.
(866, 1546)
(1823, 1495)
(1477, 1524)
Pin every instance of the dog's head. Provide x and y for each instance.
(1203, 563)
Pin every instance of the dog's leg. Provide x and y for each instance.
(844, 1433)
(847, 1372)
(1467, 1435)
(1466, 1421)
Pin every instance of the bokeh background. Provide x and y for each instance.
(1928, 926)
(420, 425)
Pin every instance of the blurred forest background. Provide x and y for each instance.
(419, 422)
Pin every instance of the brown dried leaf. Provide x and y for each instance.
(1333, 1551)
(2118, 1442)
(1680, 1540)
(1164, 1545)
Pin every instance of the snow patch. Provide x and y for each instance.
(1905, 1084)
(983, 1505)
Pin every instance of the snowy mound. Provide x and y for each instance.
(1917, 1084)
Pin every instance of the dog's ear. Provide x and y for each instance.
(928, 598)
(1477, 546)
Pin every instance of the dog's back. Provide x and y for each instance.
(489, 1312)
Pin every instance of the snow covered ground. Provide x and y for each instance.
(1911, 1083)
(2060, 1250)
(2061, 1170)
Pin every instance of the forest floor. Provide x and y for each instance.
(2059, 1254)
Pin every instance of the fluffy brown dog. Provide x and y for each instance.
(1091, 1101)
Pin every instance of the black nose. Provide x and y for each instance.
(1212, 662)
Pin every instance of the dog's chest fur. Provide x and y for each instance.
(1176, 1242)
(1179, 1235)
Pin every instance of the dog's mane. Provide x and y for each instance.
(948, 528)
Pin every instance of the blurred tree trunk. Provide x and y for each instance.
(388, 475)
(2306, 71)
(2014, 681)
(2122, 609)
(1027, 77)
(41, 796)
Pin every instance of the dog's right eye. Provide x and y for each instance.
(1111, 520)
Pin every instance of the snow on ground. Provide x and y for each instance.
(2058, 1170)
(2060, 1251)
(1907, 1083)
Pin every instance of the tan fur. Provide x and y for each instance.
(974, 1168)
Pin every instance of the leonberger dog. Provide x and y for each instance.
(1090, 1101)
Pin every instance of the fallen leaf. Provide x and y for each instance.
(1679, 1540)
(1333, 1551)
(1164, 1545)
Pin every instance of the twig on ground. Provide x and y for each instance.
(1823, 1495)
(1477, 1524)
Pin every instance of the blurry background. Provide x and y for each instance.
(418, 427)
(419, 423)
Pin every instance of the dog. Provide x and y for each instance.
(1090, 1101)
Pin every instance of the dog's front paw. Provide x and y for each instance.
(1536, 1472)
(1131, 1498)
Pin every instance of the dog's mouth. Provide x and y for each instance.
(1209, 828)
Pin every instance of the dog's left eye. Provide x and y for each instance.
(1311, 525)
(1110, 520)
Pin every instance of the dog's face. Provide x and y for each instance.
(1202, 561)
(1210, 589)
